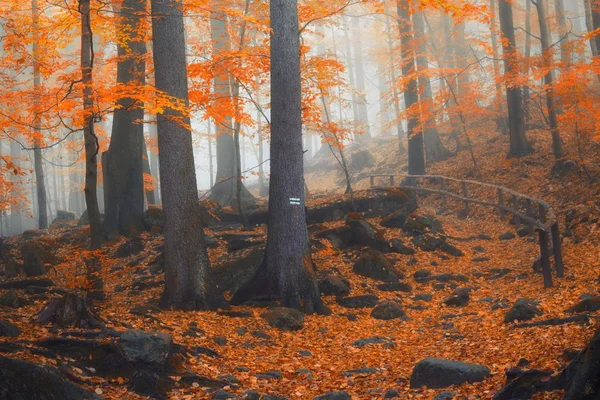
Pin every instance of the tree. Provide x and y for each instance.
(189, 282)
(124, 185)
(547, 57)
(287, 270)
(363, 114)
(519, 146)
(416, 155)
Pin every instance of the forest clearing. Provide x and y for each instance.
(290, 199)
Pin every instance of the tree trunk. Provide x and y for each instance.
(211, 171)
(124, 161)
(416, 156)
(37, 134)
(501, 118)
(189, 282)
(16, 204)
(589, 23)
(526, 90)
(150, 194)
(154, 159)
(434, 149)
(547, 56)
(363, 113)
(287, 270)
(563, 31)
(350, 66)
(384, 107)
(518, 142)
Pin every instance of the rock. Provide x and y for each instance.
(373, 264)
(423, 297)
(524, 231)
(338, 237)
(416, 225)
(362, 233)
(229, 379)
(84, 219)
(436, 373)
(334, 396)
(444, 278)
(421, 274)
(305, 373)
(587, 304)
(153, 216)
(7, 329)
(236, 314)
(22, 380)
(391, 394)
(146, 347)
(62, 215)
(148, 383)
(230, 275)
(251, 395)
(400, 248)
(35, 256)
(522, 310)
(373, 340)
(283, 318)
(395, 287)
(479, 249)
(273, 397)
(445, 395)
(220, 340)
(32, 233)
(388, 310)
(333, 285)
(211, 242)
(10, 299)
(361, 371)
(131, 247)
(458, 298)
(451, 249)
(364, 301)
(394, 220)
(497, 273)
(428, 242)
(305, 353)
(507, 236)
(582, 375)
(270, 375)
(223, 395)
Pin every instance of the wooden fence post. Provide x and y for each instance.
(465, 194)
(391, 180)
(542, 209)
(372, 179)
(545, 258)
(515, 201)
(529, 213)
(557, 249)
(501, 203)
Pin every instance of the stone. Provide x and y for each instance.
(220, 340)
(131, 247)
(283, 318)
(334, 396)
(305, 353)
(416, 225)
(22, 380)
(153, 216)
(395, 287)
(423, 297)
(394, 220)
(149, 383)
(223, 395)
(445, 395)
(374, 264)
(10, 299)
(523, 310)
(362, 233)
(524, 231)
(231, 274)
(364, 301)
(147, 347)
(458, 298)
(373, 340)
(428, 242)
(421, 274)
(339, 237)
(334, 285)
(587, 304)
(388, 310)
(397, 246)
(451, 249)
(361, 371)
(391, 394)
(35, 256)
(270, 375)
(7, 329)
(250, 395)
(436, 373)
(507, 236)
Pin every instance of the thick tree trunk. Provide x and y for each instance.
(416, 155)
(154, 159)
(363, 114)
(518, 142)
(350, 66)
(590, 26)
(37, 133)
(124, 161)
(189, 282)
(545, 39)
(434, 149)
(287, 270)
(150, 194)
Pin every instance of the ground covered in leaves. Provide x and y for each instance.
(352, 350)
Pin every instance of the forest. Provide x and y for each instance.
(299, 199)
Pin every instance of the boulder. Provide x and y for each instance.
(232, 273)
(416, 225)
(373, 264)
(507, 236)
(146, 347)
(334, 396)
(437, 373)
(62, 215)
(35, 256)
(22, 380)
(131, 247)
(362, 233)
(7, 329)
(333, 285)
(395, 219)
(364, 301)
(397, 246)
(10, 299)
(428, 242)
(587, 304)
(582, 376)
(458, 298)
(149, 383)
(153, 216)
(283, 318)
(339, 237)
(386, 342)
(388, 310)
(451, 249)
(394, 287)
(523, 310)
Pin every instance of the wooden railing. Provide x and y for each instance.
(536, 213)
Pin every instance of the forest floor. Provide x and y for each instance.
(323, 356)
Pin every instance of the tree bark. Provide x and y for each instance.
(557, 148)
(434, 149)
(189, 282)
(416, 155)
(16, 225)
(589, 23)
(350, 66)
(501, 118)
(519, 146)
(363, 113)
(124, 161)
(565, 50)
(37, 134)
(287, 271)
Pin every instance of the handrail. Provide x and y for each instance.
(546, 223)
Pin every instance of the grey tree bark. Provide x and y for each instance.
(363, 114)
(416, 155)
(350, 67)
(124, 185)
(519, 146)
(287, 271)
(189, 282)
